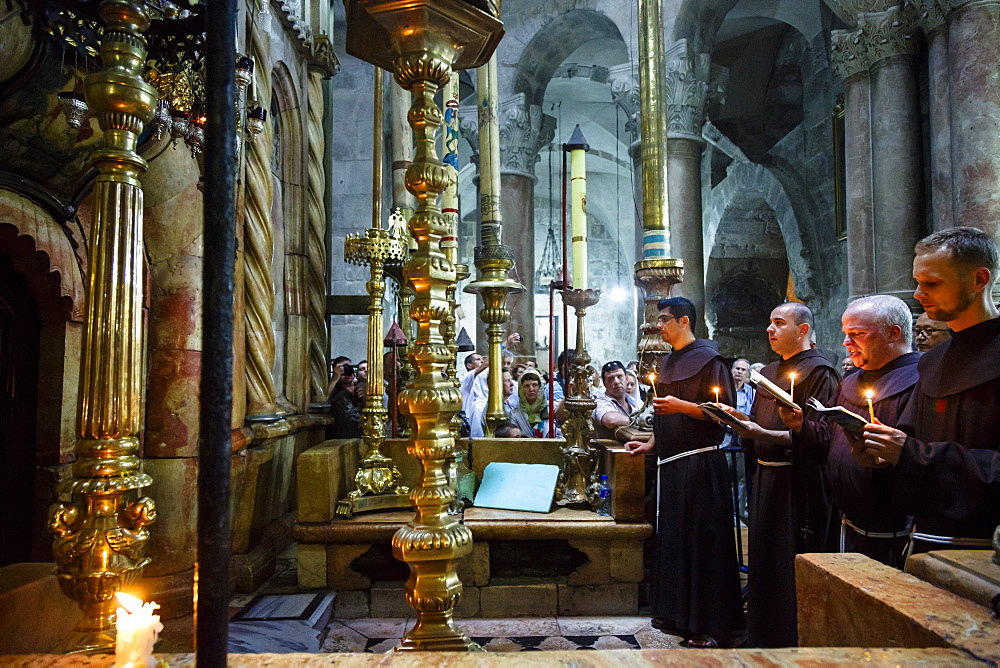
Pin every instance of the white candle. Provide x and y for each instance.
(791, 389)
(716, 390)
(652, 383)
(871, 409)
(137, 630)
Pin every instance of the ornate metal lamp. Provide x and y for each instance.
(421, 41)
(579, 470)
(377, 480)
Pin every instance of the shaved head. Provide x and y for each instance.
(799, 313)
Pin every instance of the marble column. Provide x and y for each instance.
(851, 64)
(897, 163)
(686, 90)
(259, 249)
(932, 20)
(973, 53)
(524, 130)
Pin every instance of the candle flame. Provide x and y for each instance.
(652, 377)
(129, 602)
(869, 394)
(792, 375)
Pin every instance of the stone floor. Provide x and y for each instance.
(281, 619)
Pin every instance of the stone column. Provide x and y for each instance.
(932, 20)
(259, 247)
(625, 93)
(524, 129)
(850, 63)
(973, 54)
(686, 91)
(323, 67)
(897, 164)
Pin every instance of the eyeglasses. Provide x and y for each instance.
(926, 331)
(664, 319)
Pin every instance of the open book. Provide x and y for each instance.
(772, 391)
(850, 421)
(713, 410)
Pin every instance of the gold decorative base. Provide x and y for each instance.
(657, 278)
(348, 508)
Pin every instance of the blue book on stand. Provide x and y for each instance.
(509, 486)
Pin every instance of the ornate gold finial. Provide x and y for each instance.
(100, 524)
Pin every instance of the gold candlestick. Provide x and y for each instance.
(422, 41)
(101, 532)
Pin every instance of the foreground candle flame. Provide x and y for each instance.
(137, 631)
(716, 390)
(871, 409)
(791, 389)
(652, 383)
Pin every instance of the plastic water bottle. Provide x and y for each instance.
(604, 491)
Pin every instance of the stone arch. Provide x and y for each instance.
(35, 246)
(697, 21)
(553, 43)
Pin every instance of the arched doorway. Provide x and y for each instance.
(20, 328)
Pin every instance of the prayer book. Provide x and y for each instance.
(772, 391)
(850, 421)
(716, 411)
(510, 486)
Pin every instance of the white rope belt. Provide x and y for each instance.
(951, 540)
(763, 463)
(674, 458)
(870, 534)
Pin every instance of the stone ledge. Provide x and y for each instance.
(851, 600)
(721, 658)
(970, 574)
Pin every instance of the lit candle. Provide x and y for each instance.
(578, 148)
(871, 409)
(716, 390)
(791, 389)
(137, 630)
(652, 383)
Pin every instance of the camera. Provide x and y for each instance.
(349, 370)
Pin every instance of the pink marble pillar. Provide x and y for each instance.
(686, 238)
(850, 63)
(897, 172)
(517, 203)
(939, 100)
(973, 52)
(858, 168)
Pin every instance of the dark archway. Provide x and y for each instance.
(20, 329)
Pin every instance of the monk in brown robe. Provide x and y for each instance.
(696, 589)
(943, 459)
(791, 509)
(878, 338)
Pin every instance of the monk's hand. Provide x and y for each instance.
(639, 447)
(666, 405)
(883, 442)
(791, 417)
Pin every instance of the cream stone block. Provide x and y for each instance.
(322, 479)
(534, 600)
(174, 535)
(597, 569)
(474, 570)
(389, 600)
(610, 599)
(245, 495)
(339, 574)
(626, 561)
(312, 566)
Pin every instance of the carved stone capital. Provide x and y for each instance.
(849, 53)
(890, 33)
(322, 56)
(524, 130)
(625, 93)
(686, 90)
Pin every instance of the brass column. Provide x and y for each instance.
(421, 41)
(656, 273)
(377, 480)
(493, 260)
(101, 530)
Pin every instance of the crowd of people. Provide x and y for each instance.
(922, 473)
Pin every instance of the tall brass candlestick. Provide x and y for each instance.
(493, 260)
(579, 458)
(656, 273)
(101, 532)
(377, 480)
(421, 41)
